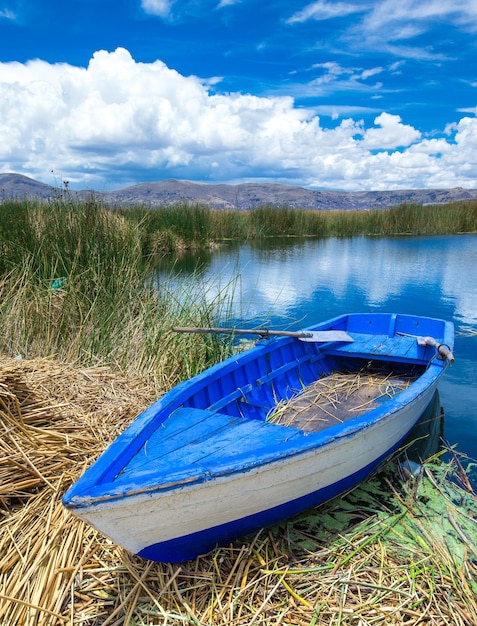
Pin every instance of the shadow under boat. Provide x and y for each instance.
(427, 437)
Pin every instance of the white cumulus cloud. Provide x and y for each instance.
(392, 133)
(118, 122)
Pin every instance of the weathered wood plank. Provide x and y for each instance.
(205, 437)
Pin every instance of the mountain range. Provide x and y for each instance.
(241, 196)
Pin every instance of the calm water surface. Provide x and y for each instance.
(292, 284)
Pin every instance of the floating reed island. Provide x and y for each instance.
(393, 551)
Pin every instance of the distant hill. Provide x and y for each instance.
(18, 186)
(243, 196)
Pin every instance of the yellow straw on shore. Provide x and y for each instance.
(384, 554)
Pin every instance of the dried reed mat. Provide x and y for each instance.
(337, 398)
(388, 553)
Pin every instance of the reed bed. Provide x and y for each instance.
(67, 234)
(390, 552)
(191, 226)
(77, 282)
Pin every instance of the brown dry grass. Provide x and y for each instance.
(379, 556)
(336, 398)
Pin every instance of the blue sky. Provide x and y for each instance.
(351, 94)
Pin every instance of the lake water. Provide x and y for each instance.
(290, 284)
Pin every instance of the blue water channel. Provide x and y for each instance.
(290, 284)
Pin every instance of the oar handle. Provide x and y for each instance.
(263, 332)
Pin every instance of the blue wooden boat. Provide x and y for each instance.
(209, 462)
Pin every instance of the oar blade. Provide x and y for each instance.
(325, 336)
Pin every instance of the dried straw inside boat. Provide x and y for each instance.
(385, 554)
(337, 398)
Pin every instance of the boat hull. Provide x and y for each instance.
(176, 512)
(192, 520)
(286, 483)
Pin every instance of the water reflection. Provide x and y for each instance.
(304, 280)
(186, 263)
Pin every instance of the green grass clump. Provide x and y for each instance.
(269, 221)
(191, 226)
(181, 225)
(75, 283)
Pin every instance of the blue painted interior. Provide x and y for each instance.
(202, 440)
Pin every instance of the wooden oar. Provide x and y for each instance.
(319, 336)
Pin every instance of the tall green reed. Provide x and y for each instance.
(166, 229)
(76, 284)
(270, 221)
(169, 227)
